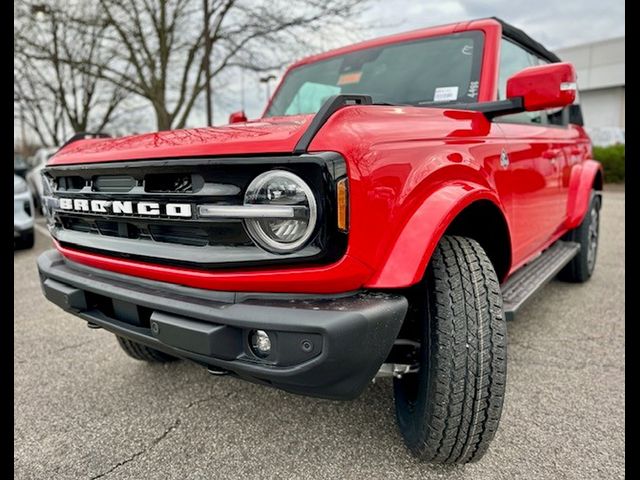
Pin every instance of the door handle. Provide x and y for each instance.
(550, 154)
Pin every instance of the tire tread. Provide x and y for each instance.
(467, 377)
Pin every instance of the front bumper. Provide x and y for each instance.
(324, 346)
(22, 213)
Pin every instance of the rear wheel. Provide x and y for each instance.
(581, 267)
(448, 412)
(142, 352)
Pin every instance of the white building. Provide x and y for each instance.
(600, 68)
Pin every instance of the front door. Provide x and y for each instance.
(535, 158)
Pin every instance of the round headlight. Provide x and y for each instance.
(281, 188)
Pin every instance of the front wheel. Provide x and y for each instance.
(448, 412)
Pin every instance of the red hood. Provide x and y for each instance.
(271, 135)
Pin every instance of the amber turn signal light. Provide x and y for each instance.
(342, 194)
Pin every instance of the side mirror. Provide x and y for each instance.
(545, 86)
(237, 117)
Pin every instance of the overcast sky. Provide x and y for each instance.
(554, 23)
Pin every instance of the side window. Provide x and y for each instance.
(558, 116)
(513, 59)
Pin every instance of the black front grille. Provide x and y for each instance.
(194, 242)
(77, 224)
(113, 183)
(167, 183)
(70, 183)
(179, 234)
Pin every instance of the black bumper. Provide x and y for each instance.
(323, 346)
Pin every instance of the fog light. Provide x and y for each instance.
(260, 343)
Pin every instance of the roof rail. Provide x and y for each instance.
(518, 36)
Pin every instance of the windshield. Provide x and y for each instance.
(422, 72)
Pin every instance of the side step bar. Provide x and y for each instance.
(529, 279)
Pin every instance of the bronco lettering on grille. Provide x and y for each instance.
(126, 207)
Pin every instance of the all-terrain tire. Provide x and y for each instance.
(448, 412)
(581, 267)
(142, 352)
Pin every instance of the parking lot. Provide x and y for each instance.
(85, 410)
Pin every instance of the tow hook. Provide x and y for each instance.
(93, 326)
(401, 360)
(395, 370)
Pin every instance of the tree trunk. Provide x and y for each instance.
(163, 118)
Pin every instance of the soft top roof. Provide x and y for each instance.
(526, 41)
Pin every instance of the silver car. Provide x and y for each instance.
(22, 214)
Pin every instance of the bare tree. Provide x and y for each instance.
(58, 69)
(39, 111)
(156, 47)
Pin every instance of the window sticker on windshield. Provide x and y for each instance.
(348, 78)
(473, 89)
(444, 94)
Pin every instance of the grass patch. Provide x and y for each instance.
(612, 160)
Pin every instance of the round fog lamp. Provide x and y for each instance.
(260, 343)
(284, 233)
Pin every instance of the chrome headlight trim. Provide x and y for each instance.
(255, 230)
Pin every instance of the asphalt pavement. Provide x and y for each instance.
(83, 409)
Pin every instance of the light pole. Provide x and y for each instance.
(22, 130)
(266, 81)
(40, 10)
(207, 65)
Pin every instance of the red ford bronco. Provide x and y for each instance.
(396, 203)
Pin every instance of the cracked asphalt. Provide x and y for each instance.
(85, 410)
